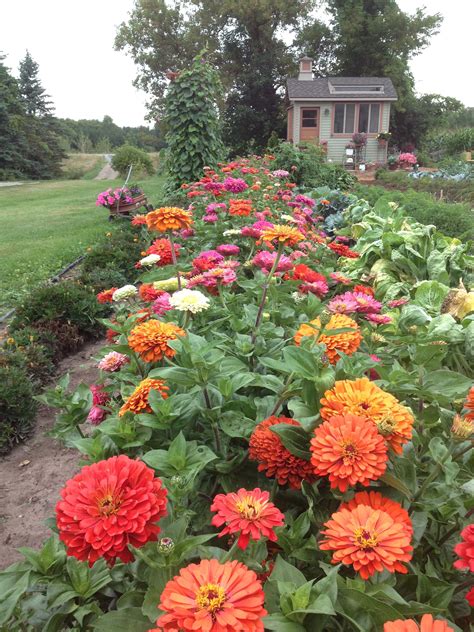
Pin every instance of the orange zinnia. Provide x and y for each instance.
(377, 501)
(427, 624)
(346, 342)
(364, 398)
(138, 401)
(249, 513)
(368, 539)
(213, 597)
(283, 234)
(240, 207)
(151, 339)
(274, 459)
(168, 218)
(469, 404)
(349, 450)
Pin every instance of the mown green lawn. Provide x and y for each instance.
(44, 226)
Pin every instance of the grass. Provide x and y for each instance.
(47, 225)
(87, 166)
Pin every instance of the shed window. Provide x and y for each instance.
(309, 118)
(344, 117)
(369, 116)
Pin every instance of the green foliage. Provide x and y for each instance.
(17, 406)
(35, 101)
(111, 259)
(455, 220)
(127, 156)
(451, 143)
(66, 302)
(193, 136)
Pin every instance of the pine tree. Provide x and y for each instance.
(35, 99)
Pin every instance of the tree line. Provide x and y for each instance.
(33, 142)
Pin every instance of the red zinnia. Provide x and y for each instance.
(342, 250)
(162, 247)
(213, 597)
(248, 512)
(465, 549)
(274, 459)
(363, 289)
(148, 293)
(349, 450)
(107, 506)
(106, 295)
(370, 540)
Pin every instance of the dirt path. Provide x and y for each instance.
(32, 475)
(107, 172)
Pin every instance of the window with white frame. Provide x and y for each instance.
(344, 118)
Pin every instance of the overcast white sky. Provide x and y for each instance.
(73, 44)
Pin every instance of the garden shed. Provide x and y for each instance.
(329, 110)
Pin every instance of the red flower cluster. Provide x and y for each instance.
(465, 549)
(108, 506)
(162, 247)
(106, 295)
(148, 293)
(342, 250)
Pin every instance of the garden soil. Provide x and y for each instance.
(32, 475)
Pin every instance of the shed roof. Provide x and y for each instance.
(342, 89)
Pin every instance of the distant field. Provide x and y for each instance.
(78, 166)
(46, 225)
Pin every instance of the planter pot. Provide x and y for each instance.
(382, 142)
(124, 208)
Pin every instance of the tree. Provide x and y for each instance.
(35, 99)
(193, 137)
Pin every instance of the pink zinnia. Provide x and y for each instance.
(303, 199)
(256, 229)
(161, 304)
(210, 219)
(319, 288)
(378, 319)
(228, 250)
(99, 396)
(235, 185)
(366, 304)
(398, 302)
(342, 304)
(96, 415)
(112, 362)
(265, 260)
(340, 278)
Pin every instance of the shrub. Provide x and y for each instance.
(67, 302)
(17, 406)
(119, 254)
(103, 278)
(33, 358)
(128, 155)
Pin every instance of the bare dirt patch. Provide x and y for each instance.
(32, 475)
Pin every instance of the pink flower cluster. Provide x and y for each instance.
(111, 197)
(408, 158)
(99, 398)
(235, 185)
(359, 302)
(256, 229)
(265, 260)
(112, 362)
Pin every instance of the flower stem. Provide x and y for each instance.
(265, 290)
(175, 261)
(434, 473)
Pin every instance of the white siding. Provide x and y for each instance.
(374, 152)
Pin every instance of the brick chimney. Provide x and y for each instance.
(306, 69)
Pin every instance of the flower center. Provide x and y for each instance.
(108, 505)
(210, 597)
(249, 509)
(387, 426)
(364, 539)
(349, 451)
(364, 405)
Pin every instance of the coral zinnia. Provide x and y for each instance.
(162, 247)
(151, 339)
(282, 234)
(106, 295)
(362, 397)
(465, 549)
(213, 597)
(108, 506)
(469, 404)
(427, 624)
(368, 539)
(138, 401)
(349, 450)
(168, 218)
(148, 293)
(377, 501)
(346, 342)
(274, 459)
(248, 512)
(343, 251)
(240, 207)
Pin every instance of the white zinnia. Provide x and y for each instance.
(298, 297)
(231, 231)
(127, 291)
(192, 301)
(289, 218)
(150, 260)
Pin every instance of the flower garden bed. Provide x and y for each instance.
(279, 437)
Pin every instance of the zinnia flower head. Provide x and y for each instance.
(162, 248)
(107, 506)
(168, 285)
(96, 415)
(112, 362)
(427, 624)
(377, 501)
(150, 339)
(349, 450)
(469, 404)
(370, 540)
(249, 513)
(274, 459)
(462, 427)
(192, 301)
(235, 185)
(138, 220)
(398, 302)
(148, 292)
(168, 218)
(207, 260)
(280, 173)
(282, 234)
(255, 230)
(465, 550)
(265, 260)
(161, 305)
(342, 304)
(149, 260)
(106, 296)
(213, 597)
(342, 250)
(378, 319)
(364, 398)
(339, 277)
(241, 208)
(366, 304)
(127, 291)
(137, 403)
(228, 249)
(346, 342)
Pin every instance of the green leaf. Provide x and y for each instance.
(124, 620)
(280, 623)
(444, 385)
(430, 296)
(301, 362)
(294, 438)
(396, 483)
(321, 605)
(285, 572)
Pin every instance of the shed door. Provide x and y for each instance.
(309, 126)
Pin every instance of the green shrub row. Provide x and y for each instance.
(448, 190)
(454, 220)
